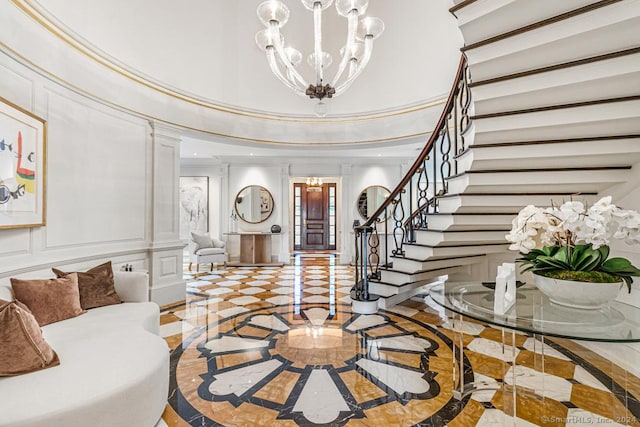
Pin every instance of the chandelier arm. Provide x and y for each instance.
(273, 63)
(352, 20)
(368, 48)
(283, 56)
(317, 37)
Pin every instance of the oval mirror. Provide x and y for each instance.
(370, 200)
(254, 204)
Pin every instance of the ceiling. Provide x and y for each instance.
(206, 48)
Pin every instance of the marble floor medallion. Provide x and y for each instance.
(281, 347)
(312, 366)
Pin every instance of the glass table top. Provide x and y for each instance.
(534, 313)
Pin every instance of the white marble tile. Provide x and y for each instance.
(543, 384)
(405, 311)
(317, 315)
(209, 277)
(398, 379)
(228, 283)
(218, 291)
(320, 400)
(238, 381)
(366, 321)
(316, 299)
(287, 276)
(344, 282)
(244, 300)
(231, 311)
(187, 276)
(270, 322)
(226, 344)
(198, 283)
(175, 328)
(581, 417)
(484, 395)
(315, 267)
(257, 283)
(468, 328)
(285, 283)
(345, 299)
(236, 277)
(315, 282)
(493, 349)
(252, 291)
(209, 301)
(315, 290)
(315, 276)
(282, 291)
(280, 300)
(191, 311)
(403, 342)
(344, 289)
(263, 276)
(580, 374)
(531, 343)
(495, 417)
(344, 276)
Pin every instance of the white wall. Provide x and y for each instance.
(278, 178)
(99, 188)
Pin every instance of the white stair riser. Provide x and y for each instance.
(442, 222)
(482, 20)
(572, 181)
(601, 153)
(403, 268)
(388, 290)
(390, 301)
(425, 252)
(578, 37)
(510, 204)
(554, 88)
(435, 238)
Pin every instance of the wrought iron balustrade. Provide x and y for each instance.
(416, 196)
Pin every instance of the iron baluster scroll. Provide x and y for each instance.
(416, 196)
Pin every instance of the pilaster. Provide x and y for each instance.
(346, 237)
(165, 247)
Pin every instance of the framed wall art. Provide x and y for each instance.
(194, 205)
(22, 167)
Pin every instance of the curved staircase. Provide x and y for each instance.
(555, 113)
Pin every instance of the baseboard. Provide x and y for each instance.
(168, 293)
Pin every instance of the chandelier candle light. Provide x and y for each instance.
(355, 54)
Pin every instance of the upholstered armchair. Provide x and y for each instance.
(206, 250)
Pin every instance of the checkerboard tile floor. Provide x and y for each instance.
(280, 346)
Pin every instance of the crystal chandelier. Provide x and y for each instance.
(355, 54)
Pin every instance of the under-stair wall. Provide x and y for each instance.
(556, 90)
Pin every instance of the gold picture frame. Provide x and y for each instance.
(23, 152)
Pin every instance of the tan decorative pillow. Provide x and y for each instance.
(96, 285)
(22, 347)
(50, 300)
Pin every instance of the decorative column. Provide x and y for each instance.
(347, 238)
(285, 214)
(165, 247)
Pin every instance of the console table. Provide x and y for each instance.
(532, 313)
(255, 250)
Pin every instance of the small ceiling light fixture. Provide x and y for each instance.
(355, 53)
(314, 184)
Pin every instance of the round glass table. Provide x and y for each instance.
(532, 314)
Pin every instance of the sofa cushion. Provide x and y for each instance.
(201, 241)
(210, 251)
(218, 243)
(22, 347)
(50, 300)
(96, 286)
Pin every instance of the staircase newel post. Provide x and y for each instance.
(365, 279)
(386, 238)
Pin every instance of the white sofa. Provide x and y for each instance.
(113, 372)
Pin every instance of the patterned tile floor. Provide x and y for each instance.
(280, 346)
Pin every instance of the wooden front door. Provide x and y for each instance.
(314, 211)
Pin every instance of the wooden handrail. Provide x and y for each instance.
(449, 105)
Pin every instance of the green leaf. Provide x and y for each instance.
(552, 261)
(616, 264)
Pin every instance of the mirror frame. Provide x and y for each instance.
(383, 216)
(235, 204)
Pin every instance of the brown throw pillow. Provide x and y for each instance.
(97, 288)
(22, 347)
(50, 300)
